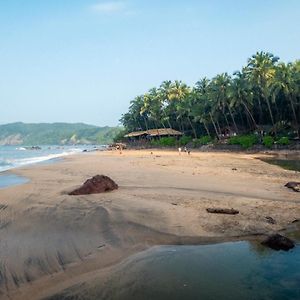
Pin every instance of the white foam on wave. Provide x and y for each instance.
(15, 163)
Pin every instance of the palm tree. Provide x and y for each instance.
(285, 81)
(264, 92)
(220, 91)
(200, 110)
(178, 93)
(164, 93)
(153, 107)
(261, 70)
(241, 95)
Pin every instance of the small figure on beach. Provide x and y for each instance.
(179, 150)
(186, 150)
(120, 148)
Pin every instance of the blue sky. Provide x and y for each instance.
(84, 60)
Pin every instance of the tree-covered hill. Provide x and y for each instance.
(55, 134)
(264, 96)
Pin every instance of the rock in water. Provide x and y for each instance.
(278, 242)
(95, 185)
(295, 186)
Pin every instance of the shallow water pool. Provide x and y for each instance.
(7, 180)
(286, 163)
(236, 270)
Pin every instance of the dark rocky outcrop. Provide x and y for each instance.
(270, 220)
(278, 242)
(295, 186)
(95, 185)
(227, 211)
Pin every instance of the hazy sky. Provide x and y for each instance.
(84, 60)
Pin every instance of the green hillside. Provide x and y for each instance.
(55, 134)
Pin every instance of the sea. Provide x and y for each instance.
(12, 157)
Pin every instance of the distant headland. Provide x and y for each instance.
(55, 134)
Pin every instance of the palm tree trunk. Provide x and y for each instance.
(233, 120)
(271, 114)
(218, 125)
(250, 114)
(206, 128)
(260, 111)
(193, 128)
(214, 124)
(146, 124)
(226, 120)
(294, 115)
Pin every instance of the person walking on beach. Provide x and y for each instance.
(179, 150)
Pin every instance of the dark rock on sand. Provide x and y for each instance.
(227, 211)
(270, 220)
(95, 185)
(278, 242)
(295, 186)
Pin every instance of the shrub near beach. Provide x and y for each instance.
(246, 141)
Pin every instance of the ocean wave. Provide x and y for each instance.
(7, 164)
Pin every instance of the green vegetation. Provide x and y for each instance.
(56, 133)
(246, 141)
(264, 95)
(204, 140)
(184, 140)
(283, 141)
(268, 141)
(165, 142)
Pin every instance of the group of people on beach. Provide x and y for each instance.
(185, 149)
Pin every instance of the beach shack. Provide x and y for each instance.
(152, 134)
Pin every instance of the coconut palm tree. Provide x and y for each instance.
(241, 96)
(261, 70)
(284, 82)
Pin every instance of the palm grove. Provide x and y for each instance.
(265, 94)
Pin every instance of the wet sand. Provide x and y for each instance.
(50, 241)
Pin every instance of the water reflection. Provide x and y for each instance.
(240, 270)
(7, 180)
(286, 162)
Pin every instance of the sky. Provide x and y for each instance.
(85, 60)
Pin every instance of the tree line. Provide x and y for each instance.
(263, 95)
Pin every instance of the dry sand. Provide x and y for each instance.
(50, 241)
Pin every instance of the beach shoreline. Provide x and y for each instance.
(51, 241)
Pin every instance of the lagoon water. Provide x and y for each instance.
(289, 163)
(227, 271)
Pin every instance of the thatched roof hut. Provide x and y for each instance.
(136, 134)
(154, 133)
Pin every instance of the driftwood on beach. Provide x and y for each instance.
(227, 211)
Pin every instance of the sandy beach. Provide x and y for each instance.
(50, 241)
